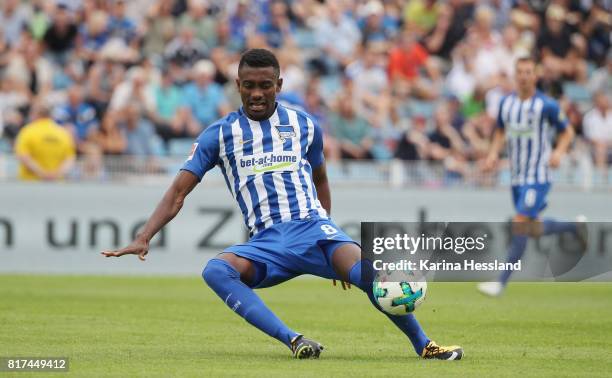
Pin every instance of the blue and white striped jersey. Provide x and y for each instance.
(267, 165)
(527, 124)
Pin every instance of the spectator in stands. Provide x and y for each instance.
(185, 50)
(596, 31)
(4, 50)
(376, 24)
(78, 117)
(204, 97)
(292, 72)
(488, 43)
(478, 132)
(390, 76)
(32, 72)
(501, 10)
(550, 82)
(172, 116)
(139, 132)
(93, 35)
(414, 143)
(224, 62)
(601, 79)
(237, 26)
(14, 16)
(315, 106)
(44, 149)
(102, 79)
(461, 79)
(168, 97)
(160, 26)
(109, 137)
(597, 125)
(453, 105)
(13, 101)
(339, 51)
(474, 104)
(422, 14)
(451, 27)
(446, 145)
(120, 25)
(372, 94)
(405, 62)
(197, 19)
(226, 41)
(59, 39)
(278, 31)
(135, 90)
(351, 131)
(38, 21)
(561, 50)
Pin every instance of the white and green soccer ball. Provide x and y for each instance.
(399, 293)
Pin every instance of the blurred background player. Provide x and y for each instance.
(597, 125)
(45, 150)
(524, 121)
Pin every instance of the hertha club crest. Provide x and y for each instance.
(285, 132)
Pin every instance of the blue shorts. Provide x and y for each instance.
(286, 250)
(530, 200)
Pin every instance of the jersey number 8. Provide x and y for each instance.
(329, 230)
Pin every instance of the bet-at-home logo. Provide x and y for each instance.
(268, 162)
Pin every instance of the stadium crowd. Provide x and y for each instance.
(416, 80)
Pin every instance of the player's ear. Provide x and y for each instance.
(238, 84)
(279, 84)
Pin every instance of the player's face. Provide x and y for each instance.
(525, 75)
(258, 87)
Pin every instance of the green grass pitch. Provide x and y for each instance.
(133, 326)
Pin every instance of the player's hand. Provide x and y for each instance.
(345, 285)
(139, 248)
(555, 159)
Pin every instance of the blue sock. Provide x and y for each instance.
(552, 226)
(406, 323)
(518, 243)
(225, 281)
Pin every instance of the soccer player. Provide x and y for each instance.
(272, 159)
(524, 120)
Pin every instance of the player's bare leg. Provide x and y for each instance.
(245, 267)
(349, 266)
(524, 227)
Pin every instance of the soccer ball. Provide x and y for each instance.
(399, 293)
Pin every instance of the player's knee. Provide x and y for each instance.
(521, 218)
(216, 271)
(524, 225)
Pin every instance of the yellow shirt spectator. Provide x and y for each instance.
(45, 150)
(422, 13)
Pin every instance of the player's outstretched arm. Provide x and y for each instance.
(563, 142)
(499, 139)
(166, 210)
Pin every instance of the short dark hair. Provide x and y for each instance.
(259, 58)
